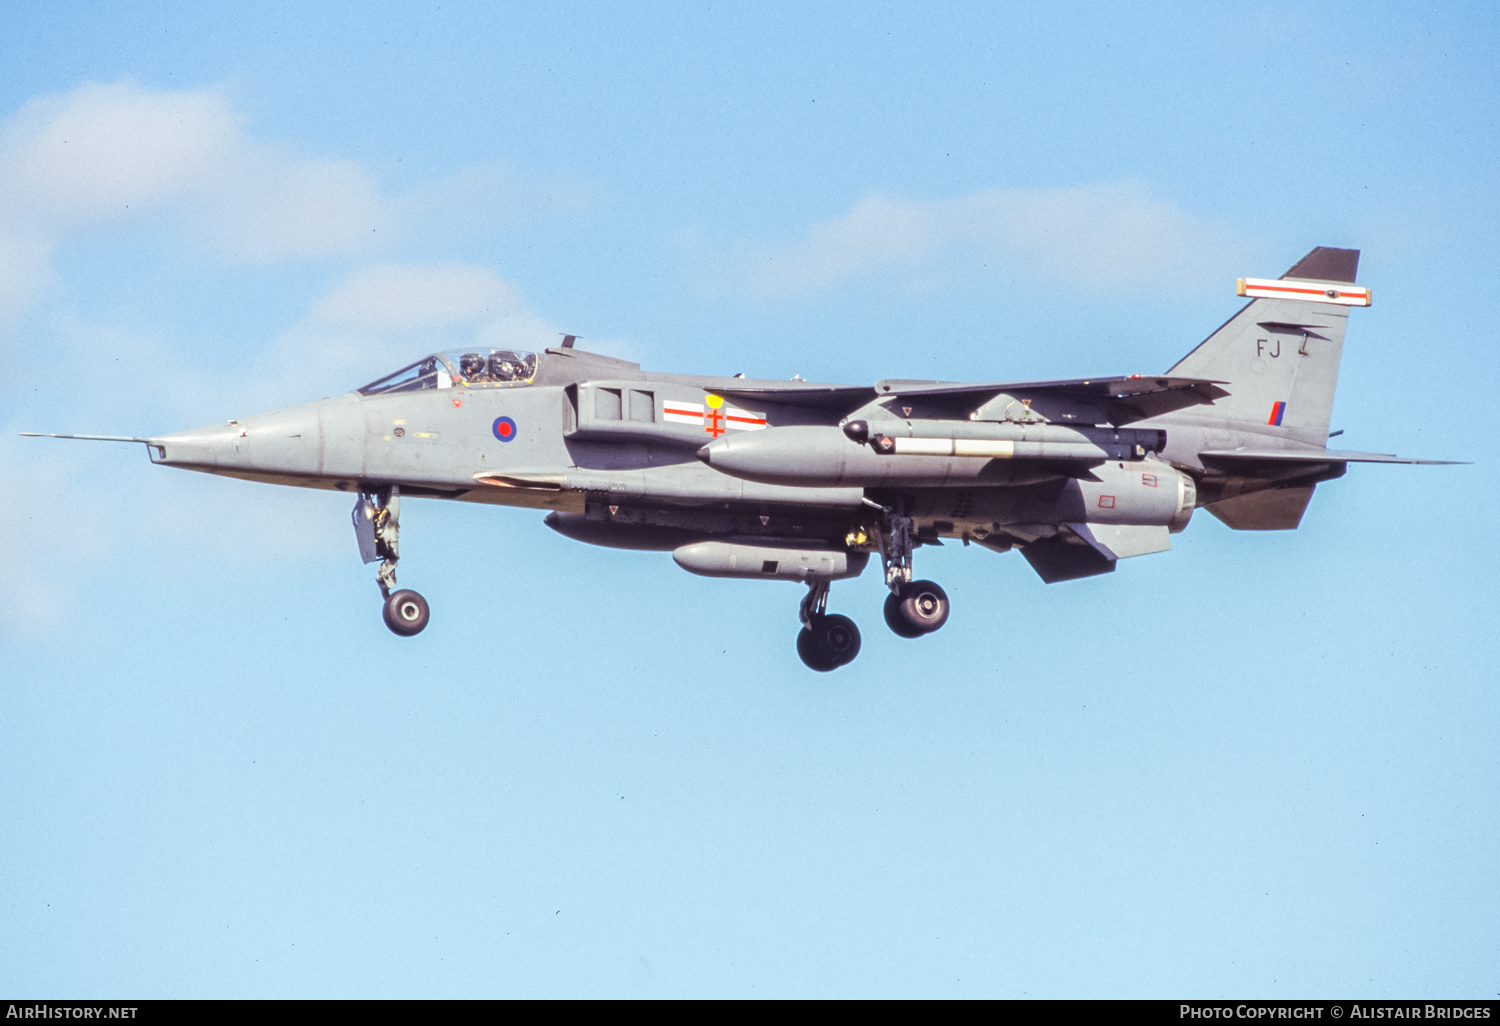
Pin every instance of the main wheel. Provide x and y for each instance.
(896, 622)
(829, 642)
(920, 607)
(406, 613)
(838, 636)
(812, 654)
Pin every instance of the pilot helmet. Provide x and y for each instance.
(471, 365)
(503, 365)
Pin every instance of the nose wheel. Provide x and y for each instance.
(377, 528)
(406, 612)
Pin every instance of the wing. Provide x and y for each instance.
(1120, 400)
(839, 398)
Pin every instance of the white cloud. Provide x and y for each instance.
(378, 318)
(103, 153)
(108, 153)
(103, 150)
(408, 296)
(1099, 237)
(487, 198)
(268, 206)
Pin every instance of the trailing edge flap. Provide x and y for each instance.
(1120, 541)
(1057, 560)
(1124, 399)
(1309, 455)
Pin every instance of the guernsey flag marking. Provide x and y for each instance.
(714, 415)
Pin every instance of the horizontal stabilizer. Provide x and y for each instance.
(1310, 455)
(1055, 560)
(1121, 541)
(1275, 509)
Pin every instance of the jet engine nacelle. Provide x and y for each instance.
(791, 561)
(1148, 493)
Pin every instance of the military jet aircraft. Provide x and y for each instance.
(797, 481)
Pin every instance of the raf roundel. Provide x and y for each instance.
(504, 429)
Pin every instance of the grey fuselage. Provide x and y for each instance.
(625, 475)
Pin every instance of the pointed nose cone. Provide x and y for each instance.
(219, 445)
(288, 441)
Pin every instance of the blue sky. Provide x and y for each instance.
(1260, 764)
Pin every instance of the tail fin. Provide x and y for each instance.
(1280, 354)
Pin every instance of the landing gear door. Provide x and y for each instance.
(364, 528)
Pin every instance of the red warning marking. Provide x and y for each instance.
(458, 401)
(1149, 480)
(1106, 502)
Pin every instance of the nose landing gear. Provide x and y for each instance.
(406, 612)
(827, 640)
(377, 527)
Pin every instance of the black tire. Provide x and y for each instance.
(838, 636)
(813, 654)
(894, 620)
(406, 613)
(829, 642)
(923, 606)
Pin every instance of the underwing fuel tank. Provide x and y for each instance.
(922, 453)
(791, 561)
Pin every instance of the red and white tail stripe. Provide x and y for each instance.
(1312, 292)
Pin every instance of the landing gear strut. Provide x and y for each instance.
(377, 526)
(827, 640)
(913, 608)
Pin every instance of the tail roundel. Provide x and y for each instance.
(1280, 354)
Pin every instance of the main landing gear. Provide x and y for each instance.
(828, 640)
(913, 608)
(377, 526)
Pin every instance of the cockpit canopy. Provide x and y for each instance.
(462, 368)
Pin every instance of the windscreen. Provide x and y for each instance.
(463, 368)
